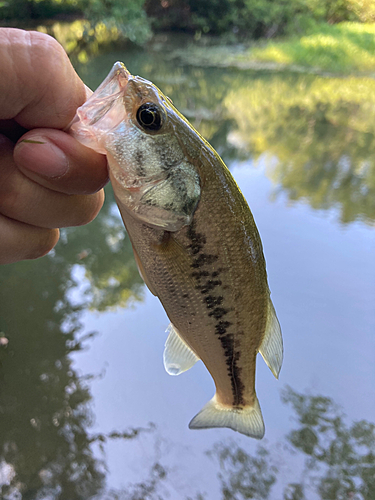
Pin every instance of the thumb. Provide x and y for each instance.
(38, 84)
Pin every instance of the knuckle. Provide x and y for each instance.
(43, 243)
(13, 199)
(93, 204)
(10, 201)
(44, 45)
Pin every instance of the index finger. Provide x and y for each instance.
(38, 85)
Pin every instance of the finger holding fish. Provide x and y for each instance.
(195, 242)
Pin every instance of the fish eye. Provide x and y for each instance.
(149, 116)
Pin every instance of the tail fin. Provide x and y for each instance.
(247, 420)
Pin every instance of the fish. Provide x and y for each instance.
(195, 242)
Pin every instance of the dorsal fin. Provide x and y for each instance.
(272, 345)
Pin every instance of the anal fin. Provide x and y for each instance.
(272, 345)
(178, 357)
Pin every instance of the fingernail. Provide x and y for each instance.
(42, 157)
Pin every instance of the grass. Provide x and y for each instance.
(343, 47)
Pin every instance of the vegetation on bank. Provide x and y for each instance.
(333, 35)
(254, 19)
(251, 19)
(339, 48)
(335, 48)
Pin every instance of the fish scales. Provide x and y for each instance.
(195, 242)
(208, 302)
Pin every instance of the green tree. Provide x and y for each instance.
(126, 17)
(23, 10)
(255, 18)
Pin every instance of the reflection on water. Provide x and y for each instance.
(46, 446)
(45, 412)
(316, 133)
(338, 459)
(318, 136)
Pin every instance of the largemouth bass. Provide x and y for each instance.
(194, 239)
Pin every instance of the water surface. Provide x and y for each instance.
(86, 407)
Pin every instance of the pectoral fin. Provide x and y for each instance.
(178, 357)
(272, 345)
(142, 272)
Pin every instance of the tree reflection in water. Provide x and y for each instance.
(45, 412)
(317, 133)
(46, 447)
(321, 132)
(338, 459)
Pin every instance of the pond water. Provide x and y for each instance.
(86, 407)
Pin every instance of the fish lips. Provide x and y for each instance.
(103, 111)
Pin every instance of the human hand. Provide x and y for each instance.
(48, 179)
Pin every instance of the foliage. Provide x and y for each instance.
(145, 490)
(82, 40)
(255, 18)
(127, 17)
(103, 22)
(317, 133)
(44, 404)
(339, 459)
(38, 9)
(363, 10)
(244, 476)
(249, 19)
(342, 47)
(106, 261)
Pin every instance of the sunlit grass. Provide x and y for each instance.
(342, 47)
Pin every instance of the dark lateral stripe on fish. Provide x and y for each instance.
(204, 259)
(197, 240)
(226, 339)
(212, 301)
(234, 371)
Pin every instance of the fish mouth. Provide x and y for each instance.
(103, 111)
(105, 96)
